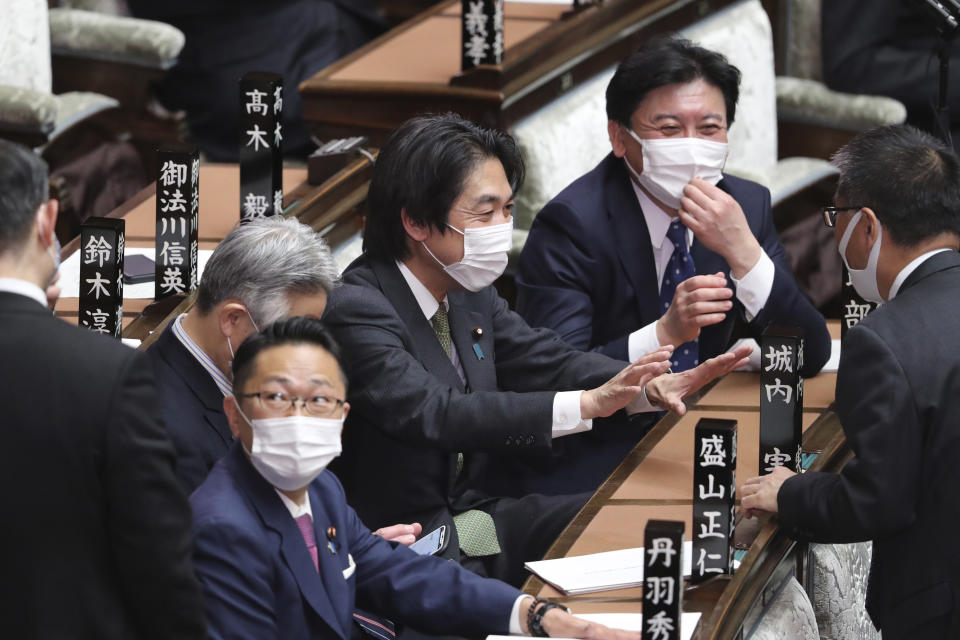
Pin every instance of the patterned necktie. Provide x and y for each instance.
(441, 327)
(475, 528)
(477, 533)
(374, 625)
(679, 267)
(440, 322)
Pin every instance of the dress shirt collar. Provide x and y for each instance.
(428, 304)
(658, 222)
(910, 268)
(223, 382)
(296, 510)
(23, 288)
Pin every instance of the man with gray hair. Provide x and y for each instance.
(262, 271)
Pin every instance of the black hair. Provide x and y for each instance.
(909, 178)
(296, 330)
(422, 168)
(667, 61)
(24, 186)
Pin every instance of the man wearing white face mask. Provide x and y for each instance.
(656, 245)
(451, 390)
(897, 222)
(280, 553)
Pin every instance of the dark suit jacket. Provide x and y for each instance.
(260, 582)
(587, 269)
(95, 541)
(192, 407)
(884, 47)
(410, 414)
(898, 398)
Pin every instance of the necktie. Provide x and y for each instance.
(440, 322)
(441, 327)
(679, 267)
(305, 524)
(475, 528)
(374, 625)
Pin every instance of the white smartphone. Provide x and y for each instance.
(433, 542)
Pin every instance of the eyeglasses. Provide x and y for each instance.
(830, 214)
(278, 403)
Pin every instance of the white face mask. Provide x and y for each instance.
(291, 451)
(864, 280)
(484, 255)
(669, 164)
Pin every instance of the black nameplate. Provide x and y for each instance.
(261, 162)
(482, 33)
(781, 398)
(101, 275)
(714, 486)
(178, 220)
(662, 579)
(853, 307)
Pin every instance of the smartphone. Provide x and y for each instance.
(137, 269)
(432, 543)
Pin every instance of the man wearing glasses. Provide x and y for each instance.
(897, 222)
(279, 552)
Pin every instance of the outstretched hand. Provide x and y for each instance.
(668, 391)
(617, 392)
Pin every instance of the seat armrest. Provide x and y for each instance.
(812, 103)
(27, 111)
(147, 43)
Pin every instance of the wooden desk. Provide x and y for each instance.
(414, 68)
(655, 481)
(333, 208)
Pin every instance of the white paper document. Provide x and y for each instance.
(599, 571)
(631, 622)
(834, 362)
(69, 280)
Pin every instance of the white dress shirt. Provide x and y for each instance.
(752, 290)
(23, 288)
(566, 404)
(907, 270)
(222, 381)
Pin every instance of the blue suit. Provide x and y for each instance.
(259, 579)
(587, 270)
(192, 406)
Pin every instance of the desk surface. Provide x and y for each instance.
(415, 67)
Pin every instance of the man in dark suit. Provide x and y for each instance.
(642, 250)
(445, 375)
(898, 394)
(95, 541)
(281, 554)
(884, 47)
(227, 38)
(261, 272)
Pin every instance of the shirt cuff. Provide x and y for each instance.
(566, 414)
(753, 289)
(642, 341)
(515, 628)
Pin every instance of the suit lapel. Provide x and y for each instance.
(632, 239)
(425, 344)
(293, 549)
(481, 374)
(198, 380)
(332, 564)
